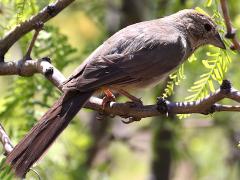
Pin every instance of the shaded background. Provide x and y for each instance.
(99, 147)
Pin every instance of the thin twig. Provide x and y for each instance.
(19, 31)
(231, 32)
(39, 27)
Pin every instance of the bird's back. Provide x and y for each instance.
(139, 55)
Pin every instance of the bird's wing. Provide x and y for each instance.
(149, 60)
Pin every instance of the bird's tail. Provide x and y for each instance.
(47, 129)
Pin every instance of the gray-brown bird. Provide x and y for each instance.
(137, 56)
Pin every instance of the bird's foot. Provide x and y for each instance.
(109, 97)
(162, 106)
(131, 120)
(132, 104)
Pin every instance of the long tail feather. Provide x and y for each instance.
(47, 129)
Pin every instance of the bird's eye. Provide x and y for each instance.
(207, 27)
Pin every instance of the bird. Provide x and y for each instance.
(136, 57)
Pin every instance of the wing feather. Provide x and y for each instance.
(142, 59)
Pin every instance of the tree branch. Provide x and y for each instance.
(231, 32)
(125, 110)
(30, 67)
(43, 16)
(204, 106)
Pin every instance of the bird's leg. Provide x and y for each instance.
(109, 96)
(134, 100)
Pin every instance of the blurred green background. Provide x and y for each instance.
(197, 147)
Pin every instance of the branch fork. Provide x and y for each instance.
(231, 32)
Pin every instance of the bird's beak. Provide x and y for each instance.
(218, 42)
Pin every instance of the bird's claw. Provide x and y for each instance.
(211, 110)
(130, 120)
(107, 100)
(132, 104)
(162, 106)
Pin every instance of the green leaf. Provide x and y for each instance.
(192, 58)
(220, 70)
(206, 64)
(204, 75)
(201, 81)
(175, 79)
(210, 54)
(200, 10)
(208, 3)
(217, 74)
(211, 86)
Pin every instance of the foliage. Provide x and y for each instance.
(217, 66)
(15, 12)
(174, 79)
(5, 172)
(28, 96)
(25, 92)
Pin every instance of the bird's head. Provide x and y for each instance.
(200, 29)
